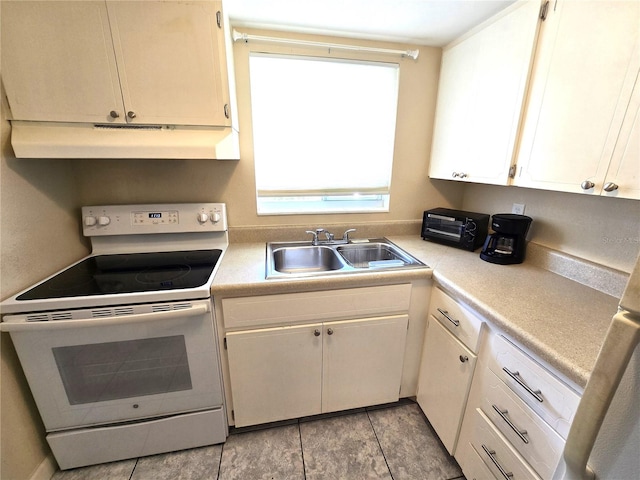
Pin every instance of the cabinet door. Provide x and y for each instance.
(445, 377)
(58, 62)
(624, 170)
(579, 94)
(362, 362)
(275, 373)
(170, 56)
(482, 87)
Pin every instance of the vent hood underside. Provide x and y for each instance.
(75, 140)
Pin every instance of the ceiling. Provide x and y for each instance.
(418, 22)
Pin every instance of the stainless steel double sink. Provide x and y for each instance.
(302, 259)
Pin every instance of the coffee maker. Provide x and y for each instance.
(506, 245)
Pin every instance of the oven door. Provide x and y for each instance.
(108, 365)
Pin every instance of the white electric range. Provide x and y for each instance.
(120, 349)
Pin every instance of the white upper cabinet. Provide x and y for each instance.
(483, 81)
(140, 62)
(58, 62)
(623, 176)
(579, 122)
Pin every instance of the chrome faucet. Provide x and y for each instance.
(318, 231)
(345, 235)
(330, 238)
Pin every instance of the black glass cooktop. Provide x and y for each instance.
(129, 273)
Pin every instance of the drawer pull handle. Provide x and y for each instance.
(446, 315)
(503, 415)
(492, 456)
(537, 394)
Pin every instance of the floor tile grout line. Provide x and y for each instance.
(134, 468)
(220, 461)
(379, 444)
(304, 468)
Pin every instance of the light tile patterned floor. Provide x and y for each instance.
(394, 443)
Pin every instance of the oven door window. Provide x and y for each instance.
(451, 229)
(114, 370)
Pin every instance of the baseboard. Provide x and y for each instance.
(46, 469)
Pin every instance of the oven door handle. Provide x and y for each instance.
(23, 326)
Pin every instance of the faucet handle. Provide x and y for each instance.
(345, 236)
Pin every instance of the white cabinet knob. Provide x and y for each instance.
(103, 221)
(90, 221)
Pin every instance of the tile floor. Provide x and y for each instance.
(393, 442)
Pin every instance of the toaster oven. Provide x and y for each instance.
(456, 228)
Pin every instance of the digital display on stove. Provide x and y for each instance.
(153, 218)
(129, 273)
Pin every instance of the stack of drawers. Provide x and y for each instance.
(520, 418)
(448, 362)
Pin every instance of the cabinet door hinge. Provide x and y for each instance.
(225, 343)
(543, 10)
(233, 415)
(512, 170)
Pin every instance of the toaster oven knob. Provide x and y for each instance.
(203, 217)
(90, 221)
(104, 220)
(215, 218)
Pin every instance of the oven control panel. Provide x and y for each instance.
(100, 220)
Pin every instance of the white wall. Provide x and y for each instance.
(39, 234)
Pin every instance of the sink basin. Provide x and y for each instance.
(301, 259)
(374, 255)
(306, 259)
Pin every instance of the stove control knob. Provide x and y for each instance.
(203, 217)
(104, 221)
(215, 218)
(90, 221)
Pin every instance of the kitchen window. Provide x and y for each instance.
(323, 133)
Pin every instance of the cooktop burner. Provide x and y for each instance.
(128, 273)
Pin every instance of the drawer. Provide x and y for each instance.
(495, 451)
(475, 468)
(546, 394)
(536, 441)
(292, 308)
(460, 321)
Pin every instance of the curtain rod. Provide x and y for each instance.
(238, 36)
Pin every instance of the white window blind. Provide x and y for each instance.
(323, 133)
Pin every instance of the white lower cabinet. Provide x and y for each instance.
(496, 452)
(293, 371)
(518, 414)
(534, 439)
(448, 362)
(275, 373)
(475, 467)
(445, 377)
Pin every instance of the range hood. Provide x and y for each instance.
(79, 140)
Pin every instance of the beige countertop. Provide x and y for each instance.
(560, 320)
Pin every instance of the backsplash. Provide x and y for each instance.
(286, 233)
(598, 277)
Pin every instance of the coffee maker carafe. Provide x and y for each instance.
(507, 245)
